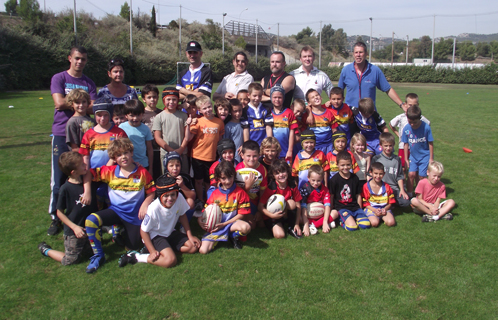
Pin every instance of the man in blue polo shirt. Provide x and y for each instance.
(197, 79)
(361, 78)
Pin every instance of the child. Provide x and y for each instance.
(345, 194)
(341, 111)
(358, 146)
(243, 97)
(226, 151)
(429, 193)
(308, 157)
(234, 203)
(119, 116)
(206, 133)
(270, 149)
(378, 198)
(284, 123)
(80, 122)
(298, 106)
(222, 107)
(71, 212)
(393, 170)
(131, 190)
(369, 122)
(189, 106)
(315, 191)
(282, 183)
(233, 129)
(417, 137)
(139, 134)
(173, 169)
(150, 95)
(256, 120)
(170, 128)
(339, 142)
(323, 121)
(158, 228)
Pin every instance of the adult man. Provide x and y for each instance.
(238, 80)
(361, 78)
(197, 79)
(278, 77)
(62, 83)
(308, 76)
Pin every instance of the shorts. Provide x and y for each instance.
(402, 202)
(344, 214)
(419, 166)
(74, 249)
(176, 240)
(369, 213)
(374, 147)
(270, 223)
(401, 154)
(201, 169)
(131, 234)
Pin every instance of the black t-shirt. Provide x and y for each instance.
(271, 81)
(345, 191)
(70, 204)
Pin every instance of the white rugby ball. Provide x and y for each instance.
(211, 216)
(315, 210)
(275, 203)
(244, 173)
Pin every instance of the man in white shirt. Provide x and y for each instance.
(238, 80)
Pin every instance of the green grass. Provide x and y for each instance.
(442, 270)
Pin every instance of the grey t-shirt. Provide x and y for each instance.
(172, 127)
(392, 168)
(76, 127)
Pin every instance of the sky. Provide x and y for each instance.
(405, 18)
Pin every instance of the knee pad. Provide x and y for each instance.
(93, 221)
(364, 223)
(349, 228)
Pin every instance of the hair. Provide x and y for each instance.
(357, 137)
(202, 100)
(240, 53)
(114, 63)
(343, 155)
(386, 137)
(224, 168)
(76, 95)
(376, 166)
(250, 145)
(366, 106)
(308, 92)
(414, 113)
(119, 146)
(244, 91)
(337, 90)
(279, 53)
(190, 99)
(298, 101)
(254, 87)
(234, 103)
(306, 48)
(149, 88)
(69, 161)
(119, 110)
(278, 166)
(222, 102)
(268, 142)
(134, 107)
(435, 166)
(361, 44)
(315, 169)
(81, 50)
(411, 96)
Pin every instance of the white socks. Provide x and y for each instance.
(142, 257)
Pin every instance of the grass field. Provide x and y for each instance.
(443, 270)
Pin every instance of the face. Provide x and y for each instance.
(118, 119)
(134, 120)
(194, 57)
(80, 106)
(236, 112)
(250, 158)
(281, 177)
(414, 123)
(206, 109)
(191, 109)
(298, 110)
(359, 147)
(387, 148)
(344, 166)
(309, 145)
(255, 97)
(433, 176)
(277, 64)
(116, 74)
(171, 103)
(174, 168)
(359, 55)
(228, 155)
(277, 99)
(124, 159)
(239, 64)
(226, 182)
(411, 102)
(151, 99)
(222, 112)
(314, 98)
(243, 98)
(270, 153)
(315, 180)
(77, 61)
(80, 169)
(168, 199)
(307, 59)
(377, 175)
(102, 118)
(340, 144)
(336, 100)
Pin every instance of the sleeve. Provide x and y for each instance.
(326, 198)
(194, 128)
(365, 194)
(296, 195)
(341, 84)
(206, 83)
(404, 138)
(305, 192)
(244, 84)
(148, 134)
(292, 121)
(149, 182)
(390, 194)
(378, 119)
(325, 163)
(382, 82)
(101, 92)
(268, 118)
(184, 207)
(244, 206)
(419, 189)
(72, 134)
(295, 166)
(221, 88)
(134, 93)
(424, 119)
(429, 133)
(148, 223)
(61, 201)
(395, 121)
(85, 144)
(97, 174)
(327, 84)
(442, 192)
(92, 90)
(244, 120)
(57, 84)
(156, 124)
(122, 134)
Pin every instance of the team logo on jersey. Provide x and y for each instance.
(316, 159)
(325, 119)
(285, 119)
(345, 115)
(369, 120)
(316, 81)
(196, 79)
(136, 180)
(146, 220)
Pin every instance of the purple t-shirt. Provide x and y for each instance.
(63, 83)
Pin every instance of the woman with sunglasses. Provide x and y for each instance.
(117, 90)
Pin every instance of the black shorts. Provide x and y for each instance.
(131, 235)
(270, 223)
(201, 169)
(176, 240)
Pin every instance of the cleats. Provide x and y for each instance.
(128, 258)
(44, 247)
(294, 233)
(95, 262)
(199, 205)
(236, 242)
(447, 216)
(55, 228)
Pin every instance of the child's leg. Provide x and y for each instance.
(93, 225)
(418, 206)
(166, 258)
(278, 231)
(389, 219)
(374, 220)
(410, 182)
(206, 247)
(199, 189)
(361, 219)
(241, 226)
(348, 222)
(446, 207)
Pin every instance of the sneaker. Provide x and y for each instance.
(199, 205)
(236, 242)
(182, 230)
(332, 225)
(313, 229)
(118, 240)
(95, 262)
(55, 228)
(427, 218)
(144, 250)
(129, 257)
(44, 247)
(448, 216)
(293, 233)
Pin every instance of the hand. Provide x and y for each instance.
(250, 180)
(154, 256)
(325, 227)
(239, 151)
(277, 215)
(194, 121)
(201, 223)
(328, 104)
(179, 181)
(197, 243)
(87, 198)
(79, 232)
(288, 156)
(229, 95)
(141, 213)
(403, 194)
(404, 106)
(297, 230)
(189, 120)
(218, 227)
(383, 212)
(378, 212)
(306, 230)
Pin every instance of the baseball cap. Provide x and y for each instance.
(193, 46)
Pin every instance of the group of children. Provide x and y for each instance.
(135, 176)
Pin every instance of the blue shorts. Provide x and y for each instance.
(254, 208)
(361, 220)
(345, 214)
(374, 147)
(419, 166)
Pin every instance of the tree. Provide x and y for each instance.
(306, 32)
(483, 49)
(241, 43)
(424, 49)
(442, 49)
(360, 39)
(173, 25)
(466, 51)
(494, 49)
(125, 11)
(29, 10)
(334, 41)
(11, 7)
(153, 23)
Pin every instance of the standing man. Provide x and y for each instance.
(197, 79)
(238, 80)
(62, 83)
(308, 76)
(278, 77)
(361, 79)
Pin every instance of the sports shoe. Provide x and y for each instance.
(199, 205)
(118, 240)
(44, 247)
(129, 257)
(332, 225)
(236, 242)
(313, 229)
(55, 228)
(95, 262)
(448, 216)
(293, 233)
(427, 218)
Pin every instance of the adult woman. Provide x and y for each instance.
(117, 90)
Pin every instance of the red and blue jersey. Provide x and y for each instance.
(331, 158)
(231, 202)
(254, 196)
(311, 195)
(343, 119)
(301, 165)
(378, 200)
(289, 192)
(283, 123)
(323, 129)
(94, 144)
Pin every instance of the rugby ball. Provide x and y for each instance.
(276, 203)
(315, 210)
(211, 216)
(243, 174)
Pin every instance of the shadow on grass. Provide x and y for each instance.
(25, 145)
(28, 134)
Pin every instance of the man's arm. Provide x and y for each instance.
(60, 102)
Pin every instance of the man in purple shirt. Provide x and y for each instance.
(62, 83)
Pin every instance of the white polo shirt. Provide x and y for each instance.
(234, 82)
(317, 80)
(160, 220)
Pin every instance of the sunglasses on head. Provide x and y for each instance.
(116, 61)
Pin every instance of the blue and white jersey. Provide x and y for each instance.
(256, 119)
(369, 126)
(200, 78)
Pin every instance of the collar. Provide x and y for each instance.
(301, 69)
(367, 66)
(240, 74)
(228, 191)
(197, 69)
(118, 169)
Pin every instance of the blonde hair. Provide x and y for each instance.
(436, 166)
(202, 100)
(119, 146)
(268, 142)
(357, 137)
(75, 95)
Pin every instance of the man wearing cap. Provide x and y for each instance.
(278, 77)
(62, 83)
(238, 80)
(197, 79)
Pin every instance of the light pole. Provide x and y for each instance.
(257, 31)
(74, 18)
(223, 34)
(239, 17)
(371, 27)
(131, 27)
